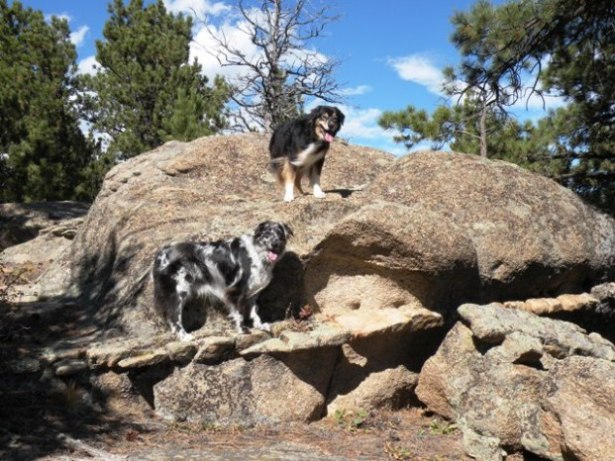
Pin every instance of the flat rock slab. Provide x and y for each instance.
(491, 324)
(583, 302)
(321, 335)
(362, 323)
(144, 360)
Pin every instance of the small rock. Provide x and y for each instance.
(102, 356)
(244, 341)
(181, 351)
(580, 302)
(144, 360)
(391, 388)
(541, 306)
(604, 292)
(70, 367)
(214, 348)
(563, 303)
(519, 348)
(481, 446)
(106, 357)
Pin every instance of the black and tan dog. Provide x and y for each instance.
(299, 147)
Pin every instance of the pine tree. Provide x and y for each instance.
(568, 47)
(191, 116)
(146, 91)
(42, 149)
(459, 129)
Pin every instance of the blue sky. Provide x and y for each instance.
(391, 52)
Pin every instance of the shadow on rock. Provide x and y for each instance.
(40, 407)
(284, 296)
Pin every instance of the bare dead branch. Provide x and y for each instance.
(276, 79)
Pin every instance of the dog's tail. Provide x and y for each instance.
(275, 165)
(279, 167)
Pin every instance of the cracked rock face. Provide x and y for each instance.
(526, 382)
(306, 370)
(265, 390)
(532, 237)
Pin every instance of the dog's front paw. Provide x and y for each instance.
(258, 324)
(264, 326)
(318, 192)
(289, 192)
(184, 336)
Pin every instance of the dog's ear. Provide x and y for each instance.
(261, 227)
(316, 112)
(340, 116)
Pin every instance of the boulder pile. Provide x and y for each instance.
(438, 276)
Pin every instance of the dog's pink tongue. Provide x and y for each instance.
(272, 256)
(328, 137)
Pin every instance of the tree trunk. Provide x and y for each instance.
(483, 132)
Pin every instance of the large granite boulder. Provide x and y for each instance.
(532, 237)
(386, 254)
(428, 230)
(514, 381)
(372, 275)
(266, 390)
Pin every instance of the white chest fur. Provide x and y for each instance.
(260, 273)
(309, 155)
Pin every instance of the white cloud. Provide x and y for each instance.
(421, 70)
(78, 36)
(361, 123)
(356, 91)
(199, 9)
(88, 65)
(361, 128)
(205, 49)
(294, 58)
(236, 32)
